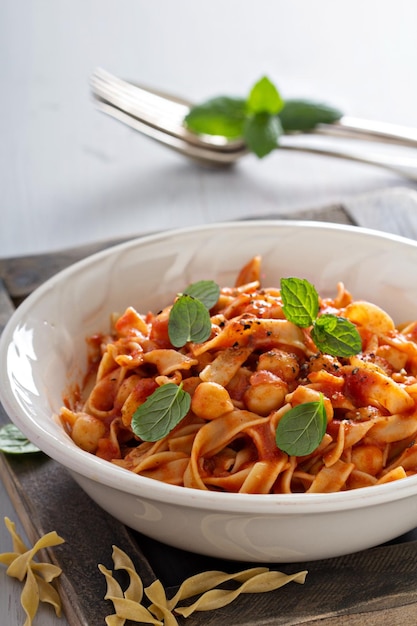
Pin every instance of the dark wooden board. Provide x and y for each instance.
(367, 588)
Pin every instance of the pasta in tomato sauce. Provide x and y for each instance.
(254, 367)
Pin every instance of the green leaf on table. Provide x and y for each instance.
(261, 133)
(207, 291)
(305, 115)
(336, 336)
(301, 429)
(13, 441)
(161, 412)
(300, 301)
(264, 97)
(189, 320)
(224, 116)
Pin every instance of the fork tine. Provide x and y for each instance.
(200, 153)
(114, 86)
(163, 112)
(209, 155)
(142, 103)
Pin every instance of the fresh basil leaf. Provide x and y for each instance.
(301, 429)
(207, 291)
(161, 412)
(222, 116)
(300, 301)
(336, 336)
(304, 115)
(13, 441)
(265, 98)
(189, 320)
(261, 133)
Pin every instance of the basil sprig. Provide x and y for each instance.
(300, 301)
(302, 428)
(207, 291)
(260, 119)
(262, 127)
(336, 335)
(161, 412)
(332, 334)
(13, 441)
(189, 318)
(223, 116)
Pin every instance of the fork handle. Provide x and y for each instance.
(368, 130)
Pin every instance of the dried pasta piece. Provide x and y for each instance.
(37, 576)
(122, 561)
(113, 591)
(17, 542)
(29, 598)
(200, 583)
(261, 583)
(161, 610)
(125, 607)
(134, 611)
(156, 594)
(48, 594)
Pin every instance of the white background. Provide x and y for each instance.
(69, 174)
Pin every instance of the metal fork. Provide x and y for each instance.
(160, 116)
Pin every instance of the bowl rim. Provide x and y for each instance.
(106, 473)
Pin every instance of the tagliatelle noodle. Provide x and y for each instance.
(255, 366)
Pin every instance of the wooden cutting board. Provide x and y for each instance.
(368, 588)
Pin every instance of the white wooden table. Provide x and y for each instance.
(69, 175)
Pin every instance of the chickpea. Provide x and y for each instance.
(266, 397)
(281, 363)
(265, 393)
(87, 431)
(210, 400)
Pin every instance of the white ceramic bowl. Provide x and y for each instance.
(43, 349)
